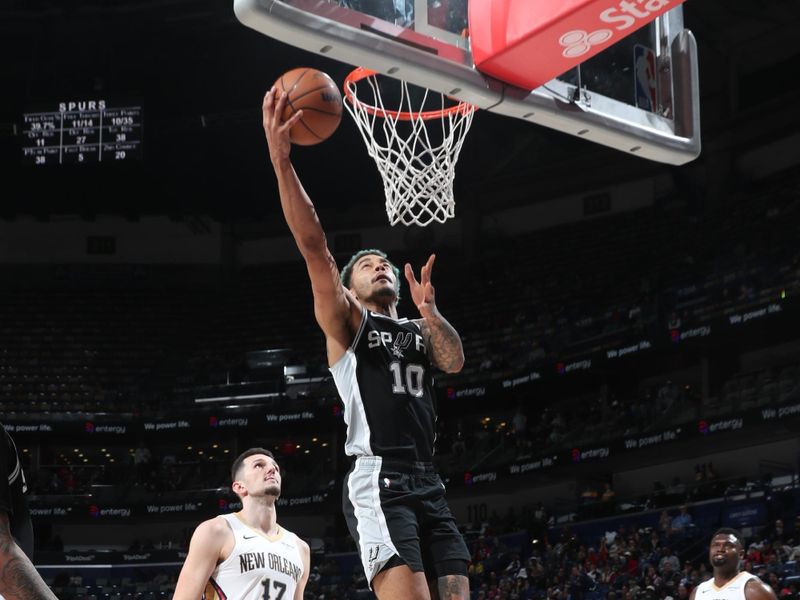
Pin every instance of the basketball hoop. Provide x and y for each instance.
(415, 156)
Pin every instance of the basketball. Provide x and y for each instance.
(318, 96)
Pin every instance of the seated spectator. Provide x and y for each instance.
(774, 581)
(520, 422)
(540, 514)
(608, 493)
(664, 523)
(789, 591)
(668, 558)
(683, 592)
(795, 553)
(772, 560)
(699, 474)
(682, 522)
(754, 554)
(775, 533)
(670, 580)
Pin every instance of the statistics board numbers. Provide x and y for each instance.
(75, 134)
(81, 135)
(41, 138)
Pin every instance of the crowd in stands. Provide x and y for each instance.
(494, 438)
(626, 563)
(486, 440)
(520, 557)
(131, 348)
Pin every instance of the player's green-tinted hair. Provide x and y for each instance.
(347, 271)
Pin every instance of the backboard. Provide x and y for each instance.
(639, 95)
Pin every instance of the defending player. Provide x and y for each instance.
(730, 583)
(246, 555)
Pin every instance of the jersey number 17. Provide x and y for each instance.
(281, 587)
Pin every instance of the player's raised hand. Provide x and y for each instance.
(277, 132)
(422, 292)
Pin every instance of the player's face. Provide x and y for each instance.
(725, 551)
(373, 278)
(262, 476)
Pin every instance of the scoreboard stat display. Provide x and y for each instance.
(82, 131)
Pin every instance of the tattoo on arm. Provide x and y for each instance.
(453, 587)
(447, 353)
(18, 577)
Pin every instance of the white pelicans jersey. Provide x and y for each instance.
(733, 590)
(258, 568)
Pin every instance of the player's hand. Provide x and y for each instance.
(276, 131)
(422, 292)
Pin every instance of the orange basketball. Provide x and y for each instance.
(316, 94)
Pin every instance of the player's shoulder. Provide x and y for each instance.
(755, 589)
(296, 538)
(215, 526)
(704, 587)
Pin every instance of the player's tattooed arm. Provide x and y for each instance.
(443, 342)
(18, 577)
(442, 339)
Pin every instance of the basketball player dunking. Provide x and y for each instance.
(394, 502)
(729, 583)
(246, 555)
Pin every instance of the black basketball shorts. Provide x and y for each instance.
(399, 509)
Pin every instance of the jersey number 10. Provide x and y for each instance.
(414, 379)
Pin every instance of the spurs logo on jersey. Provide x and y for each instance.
(385, 382)
(258, 568)
(401, 342)
(398, 344)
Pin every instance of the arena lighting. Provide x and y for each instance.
(229, 398)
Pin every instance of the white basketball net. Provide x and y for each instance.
(416, 150)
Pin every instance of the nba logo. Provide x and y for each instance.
(644, 63)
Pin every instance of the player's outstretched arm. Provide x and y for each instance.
(19, 580)
(305, 554)
(337, 312)
(755, 589)
(204, 552)
(447, 352)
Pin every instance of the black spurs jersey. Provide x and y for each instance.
(385, 382)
